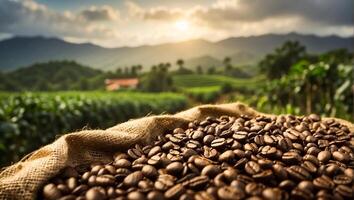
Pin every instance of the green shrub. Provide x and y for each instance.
(28, 121)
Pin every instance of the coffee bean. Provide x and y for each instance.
(240, 136)
(274, 194)
(174, 168)
(342, 179)
(306, 185)
(164, 182)
(280, 172)
(283, 157)
(323, 182)
(291, 157)
(155, 195)
(254, 189)
(211, 170)
(133, 178)
(230, 193)
(154, 151)
(208, 139)
(149, 171)
(198, 182)
(95, 194)
(252, 168)
(324, 156)
(299, 173)
(50, 191)
(264, 176)
(287, 185)
(341, 157)
(344, 191)
(210, 152)
(196, 135)
(136, 195)
(301, 193)
(218, 143)
(175, 192)
(227, 156)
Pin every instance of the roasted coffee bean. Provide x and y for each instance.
(210, 152)
(196, 135)
(164, 182)
(227, 156)
(174, 168)
(149, 171)
(306, 185)
(342, 179)
(155, 195)
(344, 191)
(300, 193)
(133, 179)
(323, 182)
(198, 182)
(298, 173)
(136, 195)
(95, 194)
(324, 156)
(283, 157)
(154, 151)
(264, 176)
(218, 143)
(341, 157)
(254, 189)
(175, 192)
(51, 191)
(287, 185)
(211, 170)
(274, 194)
(280, 172)
(252, 168)
(230, 193)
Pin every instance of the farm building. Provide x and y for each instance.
(117, 84)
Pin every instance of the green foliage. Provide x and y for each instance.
(204, 94)
(157, 80)
(279, 62)
(28, 121)
(196, 80)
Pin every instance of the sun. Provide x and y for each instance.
(182, 25)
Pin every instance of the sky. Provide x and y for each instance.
(113, 23)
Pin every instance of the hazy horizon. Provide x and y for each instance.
(110, 23)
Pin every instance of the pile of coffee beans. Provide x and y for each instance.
(282, 157)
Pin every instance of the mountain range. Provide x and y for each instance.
(19, 52)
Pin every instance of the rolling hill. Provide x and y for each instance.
(23, 51)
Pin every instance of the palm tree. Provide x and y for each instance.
(180, 63)
(227, 63)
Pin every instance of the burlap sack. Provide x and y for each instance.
(24, 179)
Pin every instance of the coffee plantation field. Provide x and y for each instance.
(197, 80)
(30, 120)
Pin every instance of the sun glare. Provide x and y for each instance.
(182, 25)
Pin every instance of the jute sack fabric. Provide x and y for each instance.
(24, 179)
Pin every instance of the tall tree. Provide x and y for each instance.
(278, 63)
(227, 63)
(180, 63)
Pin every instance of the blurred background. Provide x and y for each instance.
(72, 65)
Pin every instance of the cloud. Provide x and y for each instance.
(225, 13)
(104, 13)
(326, 12)
(28, 17)
(156, 13)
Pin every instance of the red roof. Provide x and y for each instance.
(123, 82)
(114, 84)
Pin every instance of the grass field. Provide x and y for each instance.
(195, 80)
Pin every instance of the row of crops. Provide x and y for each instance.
(30, 120)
